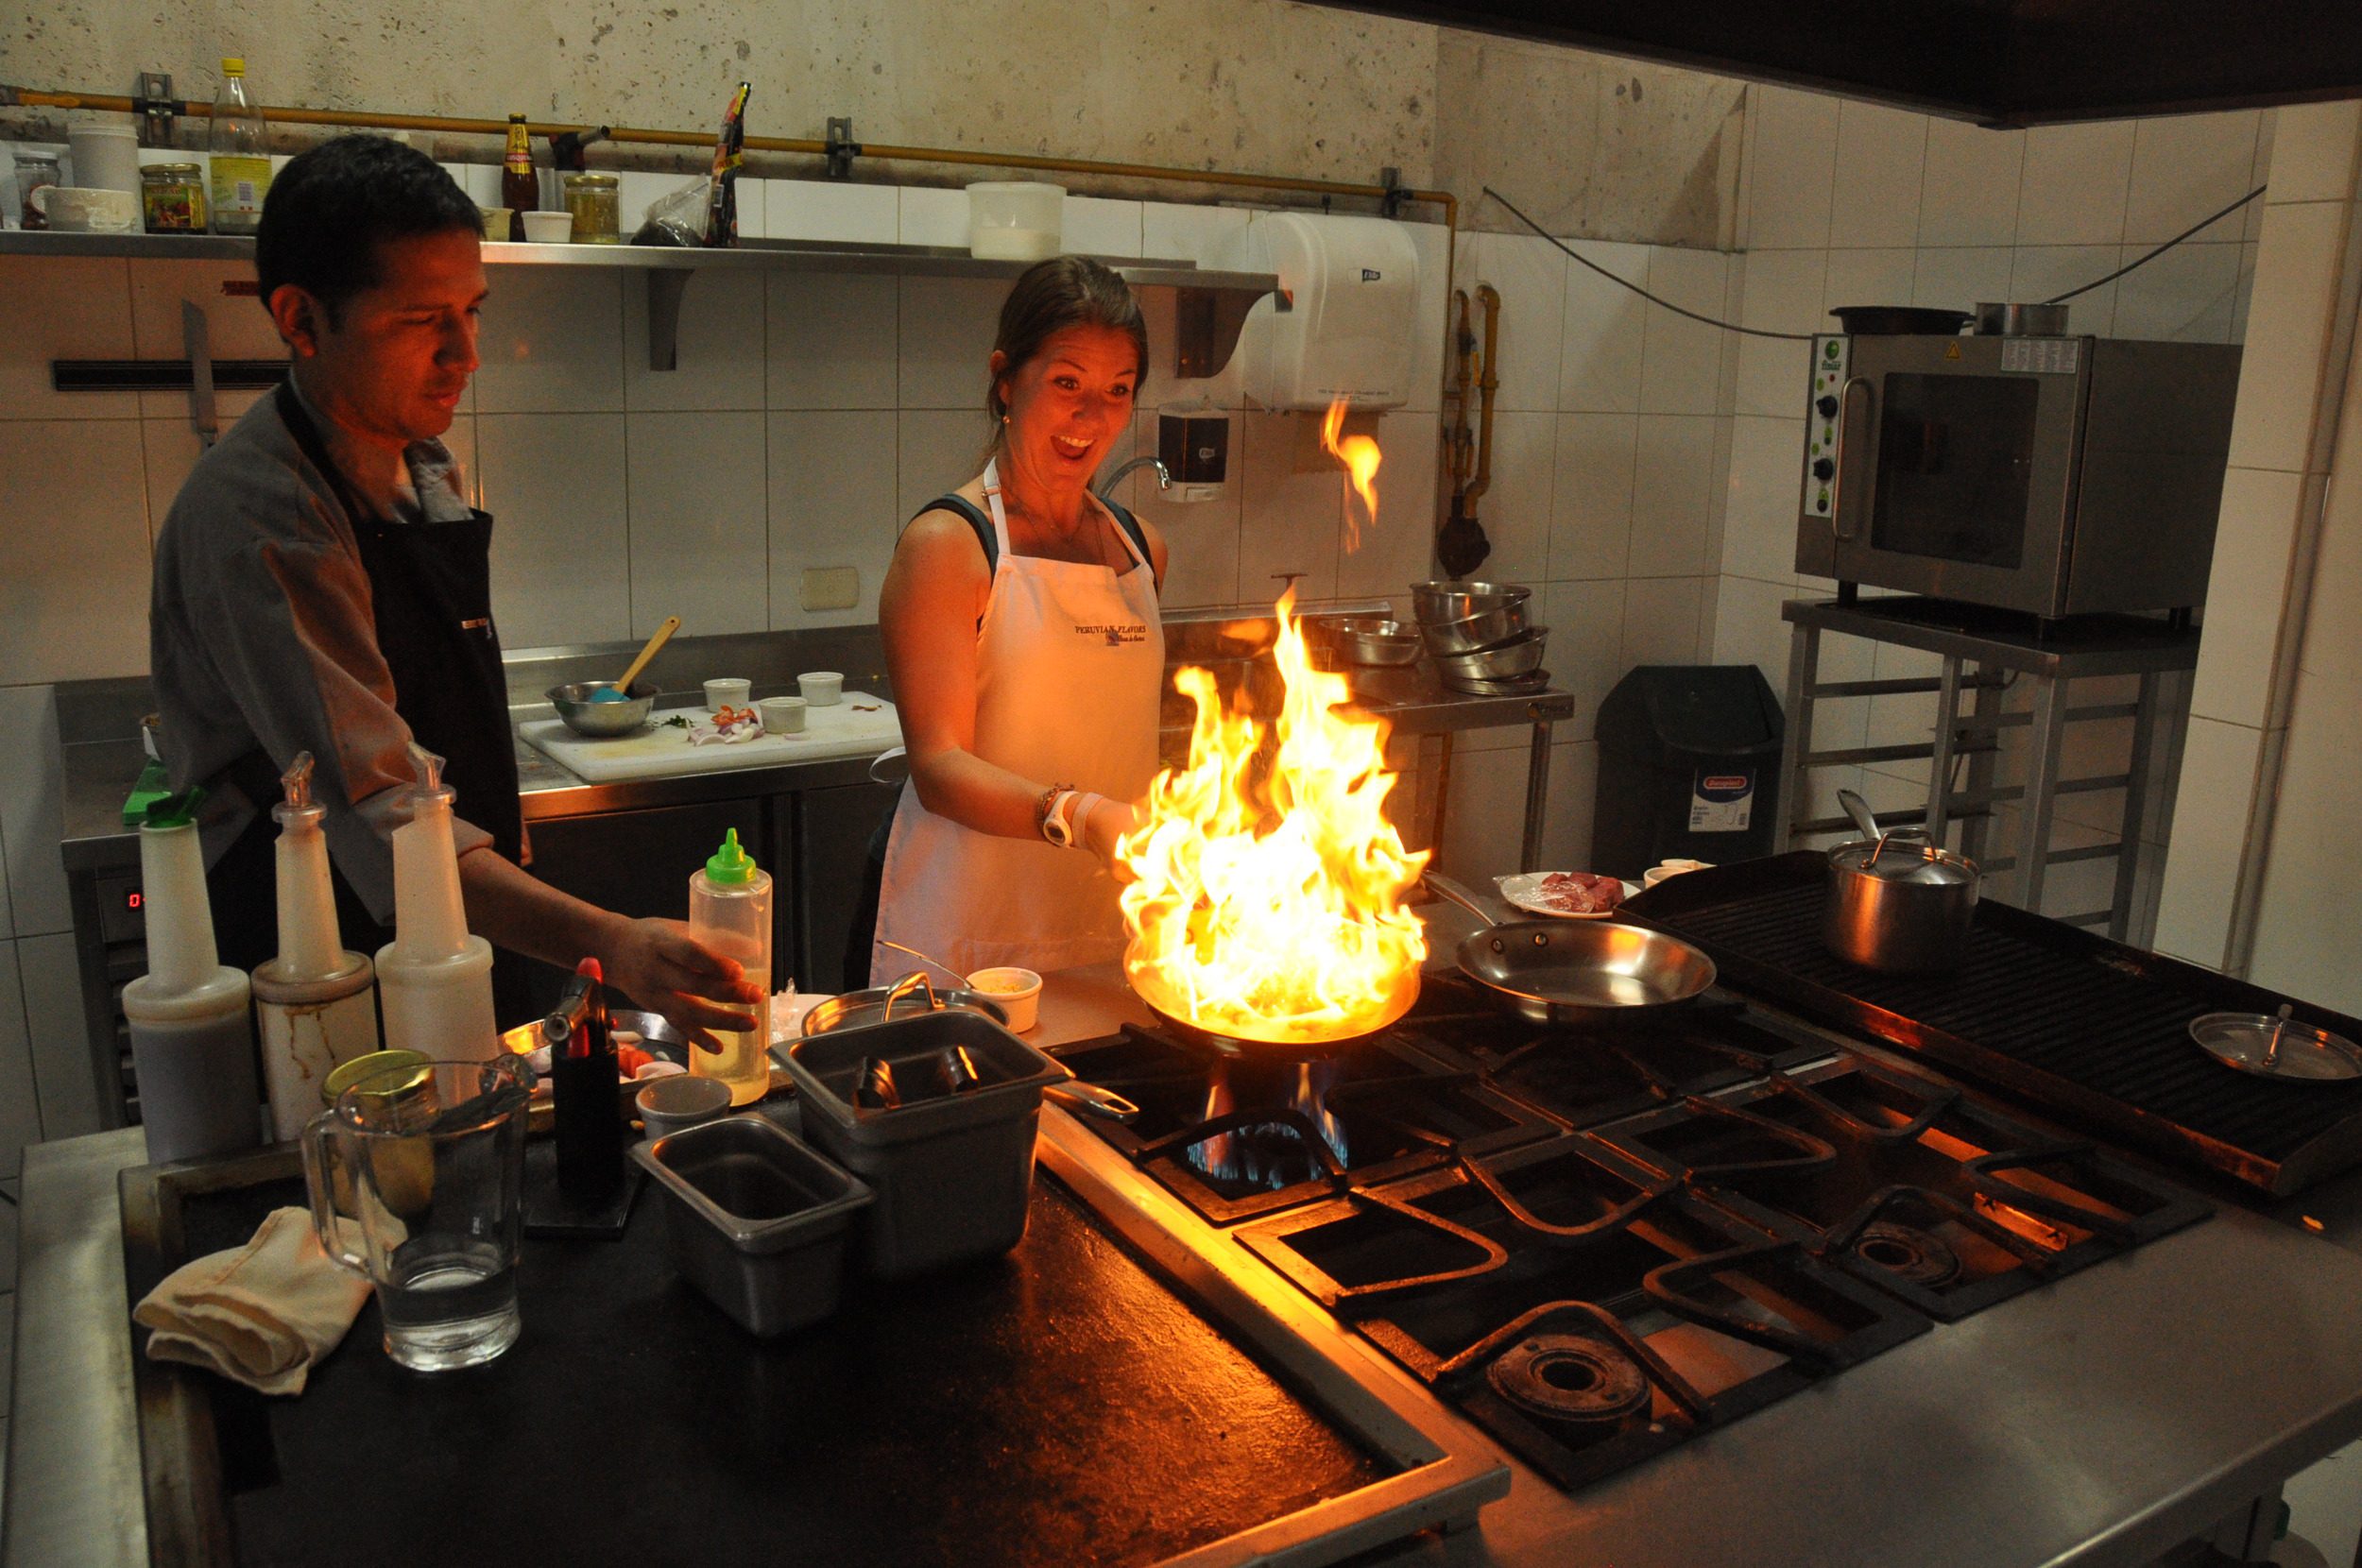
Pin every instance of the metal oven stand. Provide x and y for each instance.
(1982, 652)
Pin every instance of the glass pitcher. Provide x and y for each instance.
(424, 1164)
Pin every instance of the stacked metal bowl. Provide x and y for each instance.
(1480, 638)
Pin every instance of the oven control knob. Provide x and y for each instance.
(1826, 405)
(1824, 468)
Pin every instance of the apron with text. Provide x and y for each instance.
(430, 591)
(1069, 664)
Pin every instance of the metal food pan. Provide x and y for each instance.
(756, 1221)
(953, 1172)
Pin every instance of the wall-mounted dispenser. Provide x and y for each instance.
(1347, 320)
(1194, 447)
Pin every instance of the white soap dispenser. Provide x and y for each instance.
(434, 979)
(317, 1002)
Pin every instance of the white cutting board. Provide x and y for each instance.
(662, 751)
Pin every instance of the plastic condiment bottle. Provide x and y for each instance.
(316, 1002)
(239, 143)
(729, 911)
(434, 979)
(191, 1031)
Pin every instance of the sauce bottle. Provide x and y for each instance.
(521, 188)
(729, 911)
(317, 1002)
(434, 979)
(192, 1028)
(239, 145)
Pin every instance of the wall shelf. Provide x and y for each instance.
(1213, 304)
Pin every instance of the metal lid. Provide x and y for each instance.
(1895, 859)
(2277, 1046)
(171, 174)
(592, 180)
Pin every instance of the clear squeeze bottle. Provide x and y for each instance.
(317, 1002)
(729, 911)
(434, 979)
(192, 1027)
(239, 143)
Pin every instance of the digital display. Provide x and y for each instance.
(133, 898)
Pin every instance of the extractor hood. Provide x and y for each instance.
(2006, 62)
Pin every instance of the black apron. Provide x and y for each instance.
(431, 590)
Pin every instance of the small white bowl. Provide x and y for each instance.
(1663, 869)
(781, 715)
(821, 688)
(1018, 991)
(549, 228)
(727, 693)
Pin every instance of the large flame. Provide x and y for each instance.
(1360, 455)
(1269, 907)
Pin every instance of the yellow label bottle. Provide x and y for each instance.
(239, 141)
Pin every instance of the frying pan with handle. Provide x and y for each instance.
(1573, 971)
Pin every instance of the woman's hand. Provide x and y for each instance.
(1109, 820)
(660, 965)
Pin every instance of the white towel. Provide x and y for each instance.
(262, 1313)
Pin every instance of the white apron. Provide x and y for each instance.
(1070, 665)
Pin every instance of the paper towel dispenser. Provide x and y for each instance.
(1347, 317)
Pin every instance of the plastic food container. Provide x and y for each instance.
(548, 228)
(1015, 220)
(953, 1172)
(755, 1220)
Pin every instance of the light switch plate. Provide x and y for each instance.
(831, 587)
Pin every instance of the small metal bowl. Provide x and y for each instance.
(864, 1008)
(1503, 623)
(1373, 640)
(1437, 602)
(601, 720)
(1514, 686)
(1519, 656)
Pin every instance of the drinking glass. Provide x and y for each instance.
(423, 1164)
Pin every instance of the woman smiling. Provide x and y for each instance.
(1022, 638)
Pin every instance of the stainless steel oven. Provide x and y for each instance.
(2059, 476)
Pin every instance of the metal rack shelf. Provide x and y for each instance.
(1211, 307)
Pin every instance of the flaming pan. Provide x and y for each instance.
(1574, 971)
(1199, 1037)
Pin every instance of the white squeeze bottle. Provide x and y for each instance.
(239, 145)
(316, 1002)
(192, 1026)
(729, 911)
(434, 979)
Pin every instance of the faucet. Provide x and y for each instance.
(1108, 485)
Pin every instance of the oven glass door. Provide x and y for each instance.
(1958, 472)
(1955, 460)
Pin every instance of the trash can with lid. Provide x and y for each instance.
(1689, 768)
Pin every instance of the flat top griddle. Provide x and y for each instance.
(2080, 1024)
(1058, 1406)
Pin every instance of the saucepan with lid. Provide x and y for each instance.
(1896, 904)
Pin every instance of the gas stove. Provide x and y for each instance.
(1598, 1243)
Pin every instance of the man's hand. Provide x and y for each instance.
(660, 965)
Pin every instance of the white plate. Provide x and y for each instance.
(1525, 891)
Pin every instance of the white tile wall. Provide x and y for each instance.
(1672, 492)
(1516, 512)
(561, 549)
(1591, 504)
(2202, 862)
(2187, 166)
(2076, 182)
(63, 308)
(20, 1104)
(1606, 327)
(1682, 359)
(832, 340)
(550, 340)
(700, 536)
(1880, 153)
(720, 345)
(1793, 160)
(948, 327)
(1398, 549)
(1970, 187)
(1290, 507)
(74, 563)
(63, 1076)
(833, 502)
(1531, 276)
(831, 210)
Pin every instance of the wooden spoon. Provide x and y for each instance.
(622, 686)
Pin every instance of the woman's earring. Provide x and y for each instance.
(1005, 418)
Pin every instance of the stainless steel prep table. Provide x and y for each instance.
(2102, 1420)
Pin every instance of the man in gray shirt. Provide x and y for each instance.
(322, 584)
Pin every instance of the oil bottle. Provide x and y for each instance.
(317, 1002)
(191, 1024)
(238, 142)
(729, 911)
(434, 979)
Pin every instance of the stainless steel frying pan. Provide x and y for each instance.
(1574, 971)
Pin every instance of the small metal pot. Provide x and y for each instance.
(1519, 656)
(1900, 907)
(1374, 639)
(1438, 602)
(1995, 319)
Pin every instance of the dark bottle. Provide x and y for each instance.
(521, 188)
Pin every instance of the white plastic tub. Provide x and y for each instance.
(1015, 220)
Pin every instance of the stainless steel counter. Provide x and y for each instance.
(2101, 1420)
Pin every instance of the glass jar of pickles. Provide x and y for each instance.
(171, 198)
(595, 201)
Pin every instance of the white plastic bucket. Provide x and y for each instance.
(1015, 220)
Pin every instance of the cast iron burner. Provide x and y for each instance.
(1571, 1378)
(1908, 1252)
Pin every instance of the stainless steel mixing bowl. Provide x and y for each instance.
(601, 720)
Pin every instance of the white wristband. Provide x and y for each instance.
(1083, 807)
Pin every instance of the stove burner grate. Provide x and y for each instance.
(1908, 1252)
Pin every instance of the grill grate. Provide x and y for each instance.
(2073, 1022)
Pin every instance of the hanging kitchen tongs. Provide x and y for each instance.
(1462, 547)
